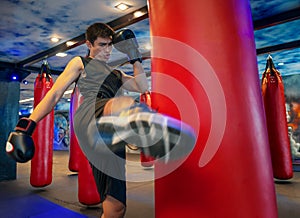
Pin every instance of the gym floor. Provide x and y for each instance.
(18, 199)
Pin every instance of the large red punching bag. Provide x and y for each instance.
(274, 102)
(146, 161)
(41, 163)
(204, 72)
(87, 189)
(74, 149)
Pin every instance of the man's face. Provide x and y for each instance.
(101, 49)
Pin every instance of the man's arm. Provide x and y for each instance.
(20, 145)
(125, 42)
(63, 81)
(138, 82)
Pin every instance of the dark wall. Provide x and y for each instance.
(9, 115)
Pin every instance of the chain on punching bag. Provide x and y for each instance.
(75, 150)
(146, 161)
(87, 189)
(274, 102)
(41, 164)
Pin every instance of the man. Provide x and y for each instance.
(105, 122)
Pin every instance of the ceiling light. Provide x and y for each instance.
(148, 47)
(122, 6)
(68, 92)
(138, 14)
(26, 100)
(54, 39)
(70, 43)
(61, 54)
(14, 77)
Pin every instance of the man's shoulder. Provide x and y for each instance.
(118, 73)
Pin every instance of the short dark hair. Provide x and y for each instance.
(98, 30)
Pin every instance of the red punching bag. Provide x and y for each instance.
(74, 148)
(41, 163)
(87, 189)
(274, 102)
(204, 72)
(146, 161)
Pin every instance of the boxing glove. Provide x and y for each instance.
(125, 42)
(19, 145)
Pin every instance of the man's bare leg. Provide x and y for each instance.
(112, 208)
(117, 105)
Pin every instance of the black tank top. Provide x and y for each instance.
(98, 76)
(97, 84)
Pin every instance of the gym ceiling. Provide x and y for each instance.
(27, 27)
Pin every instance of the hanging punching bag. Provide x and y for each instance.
(87, 189)
(41, 163)
(204, 72)
(74, 149)
(274, 102)
(146, 161)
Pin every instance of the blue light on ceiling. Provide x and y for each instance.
(14, 77)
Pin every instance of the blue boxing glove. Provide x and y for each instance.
(125, 42)
(19, 145)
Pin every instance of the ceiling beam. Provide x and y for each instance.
(276, 19)
(7, 65)
(38, 70)
(280, 47)
(115, 64)
(116, 24)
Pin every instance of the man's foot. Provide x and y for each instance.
(156, 134)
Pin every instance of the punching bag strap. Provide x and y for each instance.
(45, 71)
(270, 68)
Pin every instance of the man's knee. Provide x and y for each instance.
(116, 213)
(116, 105)
(113, 208)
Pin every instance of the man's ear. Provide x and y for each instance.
(88, 43)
